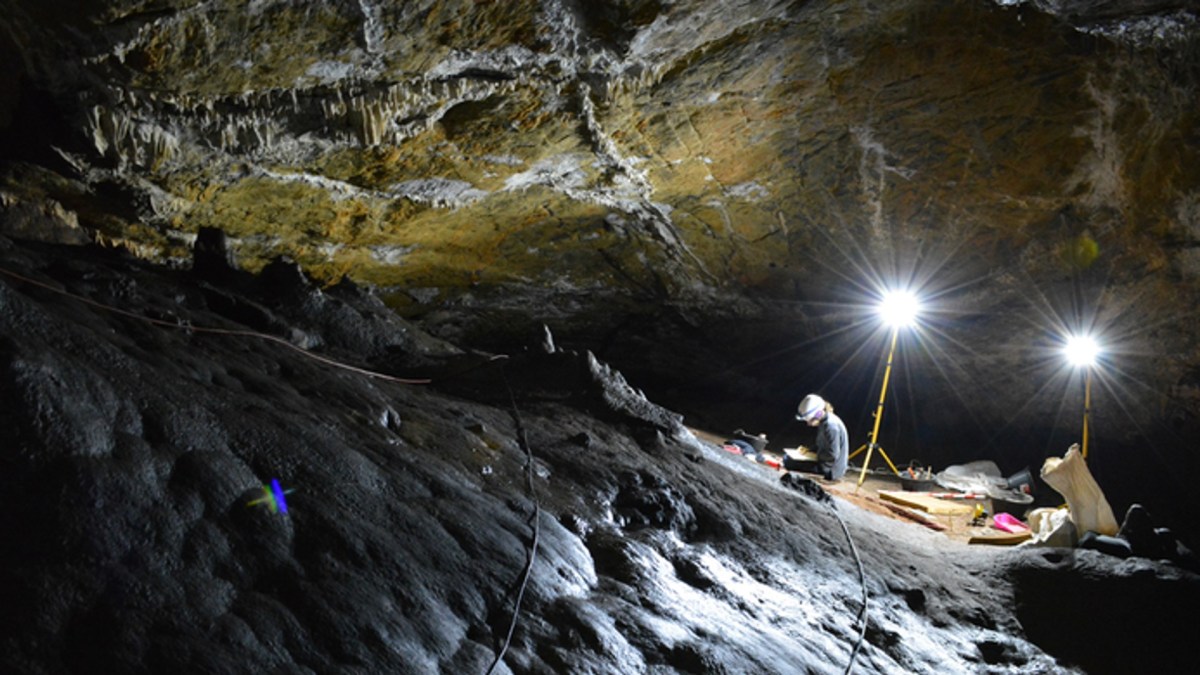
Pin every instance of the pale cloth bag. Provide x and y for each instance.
(1071, 478)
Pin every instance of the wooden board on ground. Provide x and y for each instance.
(1000, 538)
(915, 516)
(926, 503)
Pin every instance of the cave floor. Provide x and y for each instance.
(956, 527)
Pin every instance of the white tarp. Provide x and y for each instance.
(980, 477)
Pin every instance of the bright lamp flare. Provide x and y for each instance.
(1081, 350)
(899, 308)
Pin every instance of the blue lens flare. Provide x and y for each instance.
(273, 497)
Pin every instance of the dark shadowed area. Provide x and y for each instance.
(475, 290)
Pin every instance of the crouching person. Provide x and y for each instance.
(832, 444)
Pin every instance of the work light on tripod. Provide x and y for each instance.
(898, 309)
(1082, 351)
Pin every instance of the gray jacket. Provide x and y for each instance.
(832, 446)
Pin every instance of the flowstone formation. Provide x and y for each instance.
(708, 193)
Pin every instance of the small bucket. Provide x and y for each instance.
(1014, 508)
(918, 484)
(1021, 481)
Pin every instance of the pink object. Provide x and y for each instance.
(1009, 523)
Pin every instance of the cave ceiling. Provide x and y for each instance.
(708, 191)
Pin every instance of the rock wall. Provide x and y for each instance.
(643, 175)
(144, 414)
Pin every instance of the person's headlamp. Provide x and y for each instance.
(810, 415)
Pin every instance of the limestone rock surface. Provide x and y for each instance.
(144, 410)
(707, 194)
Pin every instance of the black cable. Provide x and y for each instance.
(522, 438)
(214, 331)
(523, 441)
(862, 580)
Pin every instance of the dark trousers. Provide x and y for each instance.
(804, 466)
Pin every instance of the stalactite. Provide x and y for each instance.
(373, 31)
(118, 137)
(372, 117)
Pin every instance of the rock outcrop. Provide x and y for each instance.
(701, 200)
(144, 411)
(1031, 165)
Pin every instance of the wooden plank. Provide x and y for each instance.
(926, 504)
(1000, 538)
(915, 516)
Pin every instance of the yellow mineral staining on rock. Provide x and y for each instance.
(1079, 253)
(644, 144)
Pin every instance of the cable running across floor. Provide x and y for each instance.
(214, 331)
(523, 440)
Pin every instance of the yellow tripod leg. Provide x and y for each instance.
(887, 373)
(889, 461)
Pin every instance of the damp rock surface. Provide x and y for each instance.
(144, 411)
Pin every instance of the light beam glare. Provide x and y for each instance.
(852, 327)
(859, 268)
(1025, 410)
(899, 308)
(1120, 393)
(853, 359)
(942, 337)
(940, 359)
(1082, 350)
